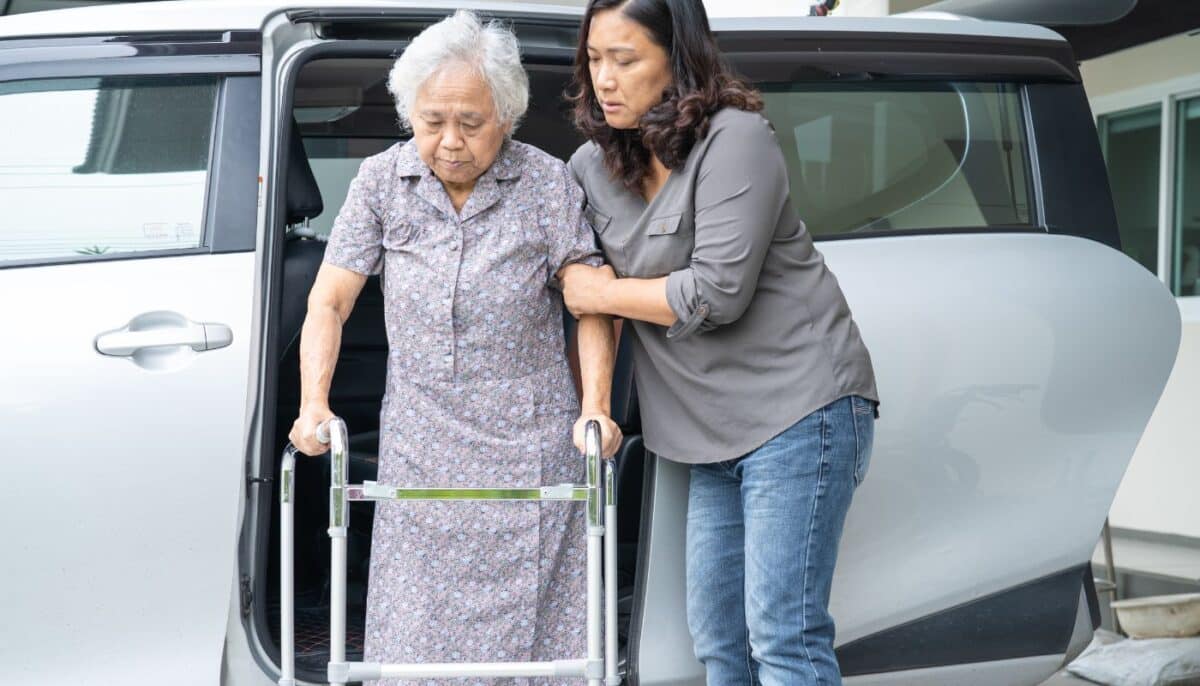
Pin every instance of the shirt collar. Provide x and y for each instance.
(507, 165)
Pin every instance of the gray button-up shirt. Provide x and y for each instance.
(764, 336)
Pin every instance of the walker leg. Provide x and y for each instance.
(595, 516)
(611, 678)
(287, 597)
(339, 513)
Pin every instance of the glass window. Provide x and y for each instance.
(880, 157)
(105, 165)
(334, 163)
(1185, 279)
(1131, 144)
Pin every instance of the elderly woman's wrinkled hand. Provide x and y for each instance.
(304, 430)
(583, 288)
(610, 433)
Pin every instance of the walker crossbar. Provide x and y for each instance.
(600, 665)
(372, 491)
(360, 671)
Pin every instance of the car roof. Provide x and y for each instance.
(250, 15)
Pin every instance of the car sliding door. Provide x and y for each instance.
(127, 230)
(1019, 355)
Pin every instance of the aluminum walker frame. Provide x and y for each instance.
(599, 668)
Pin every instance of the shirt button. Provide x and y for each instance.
(453, 246)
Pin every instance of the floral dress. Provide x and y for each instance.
(479, 393)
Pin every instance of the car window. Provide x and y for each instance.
(334, 162)
(103, 166)
(891, 157)
(1130, 141)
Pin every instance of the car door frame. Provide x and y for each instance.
(310, 35)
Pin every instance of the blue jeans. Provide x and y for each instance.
(762, 540)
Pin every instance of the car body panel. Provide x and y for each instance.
(122, 482)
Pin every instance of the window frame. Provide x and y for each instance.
(1165, 95)
(237, 96)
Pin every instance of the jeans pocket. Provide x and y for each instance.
(864, 433)
(862, 406)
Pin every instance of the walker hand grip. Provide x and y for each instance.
(323, 432)
(591, 439)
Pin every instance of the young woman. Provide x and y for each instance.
(748, 363)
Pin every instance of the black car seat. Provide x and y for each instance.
(358, 384)
(361, 367)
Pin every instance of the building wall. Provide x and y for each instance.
(1145, 65)
(1160, 490)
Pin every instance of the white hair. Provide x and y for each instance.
(492, 50)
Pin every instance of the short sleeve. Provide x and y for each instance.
(356, 241)
(569, 237)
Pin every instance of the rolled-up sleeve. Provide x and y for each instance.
(741, 189)
(356, 240)
(569, 237)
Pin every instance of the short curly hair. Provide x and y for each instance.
(492, 49)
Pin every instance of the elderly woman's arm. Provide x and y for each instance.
(596, 358)
(329, 305)
(589, 290)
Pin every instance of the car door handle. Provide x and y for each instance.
(163, 330)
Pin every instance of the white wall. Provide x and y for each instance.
(1145, 65)
(1161, 488)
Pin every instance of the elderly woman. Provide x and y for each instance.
(470, 230)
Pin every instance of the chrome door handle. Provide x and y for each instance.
(163, 330)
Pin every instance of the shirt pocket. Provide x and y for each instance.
(597, 219)
(667, 245)
(399, 234)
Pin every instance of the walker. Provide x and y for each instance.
(600, 665)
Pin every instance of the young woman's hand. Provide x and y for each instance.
(610, 433)
(583, 288)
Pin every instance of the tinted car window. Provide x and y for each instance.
(879, 157)
(97, 166)
(1130, 141)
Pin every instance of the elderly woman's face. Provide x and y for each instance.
(455, 126)
(629, 70)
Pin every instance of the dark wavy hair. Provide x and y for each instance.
(702, 83)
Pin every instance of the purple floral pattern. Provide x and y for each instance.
(478, 394)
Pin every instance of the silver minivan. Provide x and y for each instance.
(168, 172)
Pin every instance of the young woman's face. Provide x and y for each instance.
(629, 70)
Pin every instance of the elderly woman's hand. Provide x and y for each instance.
(610, 433)
(583, 288)
(304, 430)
